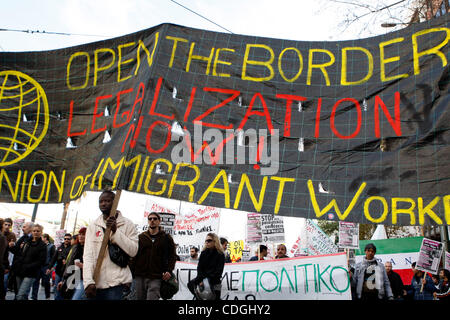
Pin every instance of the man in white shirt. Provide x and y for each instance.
(112, 278)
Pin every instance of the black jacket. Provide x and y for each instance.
(3, 250)
(396, 284)
(34, 254)
(75, 252)
(154, 257)
(210, 265)
(17, 251)
(58, 257)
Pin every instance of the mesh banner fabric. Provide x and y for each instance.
(353, 130)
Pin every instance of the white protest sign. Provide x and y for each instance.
(303, 278)
(429, 256)
(17, 227)
(189, 222)
(317, 241)
(254, 234)
(297, 250)
(59, 237)
(272, 228)
(348, 235)
(193, 224)
(153, 204)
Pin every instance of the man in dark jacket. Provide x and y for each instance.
(154, 261)
(43, 272)
(421, 288)
(16, 249)
(59, 258)
(11, 240)
(396, 282)
(33, 255)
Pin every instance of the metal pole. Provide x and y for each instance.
(35, 209)
(444, 239)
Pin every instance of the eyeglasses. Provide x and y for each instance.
(209, 240)
(66, 238)
(150, 219)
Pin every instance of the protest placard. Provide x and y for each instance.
(17, 227)
(303, 278)
(254, 233)
(317, 241)
(167, 223)
(187, 222)
(429, 256)
(153, 204)
(272, 228)
(236, 249)
(297, 250)
(59, 237)
(348, 235)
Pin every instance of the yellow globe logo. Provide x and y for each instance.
(24, 116)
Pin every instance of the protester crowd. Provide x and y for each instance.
(371, 280)
(140, 266)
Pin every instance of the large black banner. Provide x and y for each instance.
(353, 130)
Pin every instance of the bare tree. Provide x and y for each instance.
(367, 18)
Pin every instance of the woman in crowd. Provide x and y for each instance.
(210, 266)
(33, 256)
(74, 266)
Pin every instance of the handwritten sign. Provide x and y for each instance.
(317, 241)
(236, 249)
(187, 222)
(302, 278)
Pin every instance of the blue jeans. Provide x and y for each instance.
(113, 293)
(24, 286)
(45, 282)
(6, 278)
(78, 294)
(56, 293)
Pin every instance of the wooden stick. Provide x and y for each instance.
(424, 276)
(63, 218)
(106, 236)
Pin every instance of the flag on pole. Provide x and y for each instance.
(401, 252)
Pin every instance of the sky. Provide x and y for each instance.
(90, 21)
